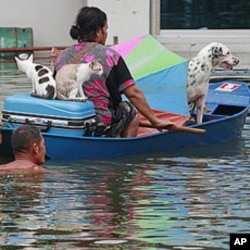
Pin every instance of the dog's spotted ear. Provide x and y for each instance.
(217, 51)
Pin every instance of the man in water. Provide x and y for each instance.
(28, 149)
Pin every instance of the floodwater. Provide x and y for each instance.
(190, 200)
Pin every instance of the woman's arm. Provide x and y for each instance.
(137, 98)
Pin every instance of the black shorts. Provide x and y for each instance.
(121, 118)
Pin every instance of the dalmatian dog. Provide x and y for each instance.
(199, 71)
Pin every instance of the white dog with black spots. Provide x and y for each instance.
(199, 71)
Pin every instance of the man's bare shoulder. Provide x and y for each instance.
(3, 166)
(25, 166)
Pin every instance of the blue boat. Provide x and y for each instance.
(64, 124)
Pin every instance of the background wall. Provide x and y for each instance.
(52, 19)
(127, 18)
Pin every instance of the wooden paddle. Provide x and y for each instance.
(175, 128)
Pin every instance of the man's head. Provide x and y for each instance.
(91, 25)
(27, 140)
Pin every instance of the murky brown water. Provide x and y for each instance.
(190, 200)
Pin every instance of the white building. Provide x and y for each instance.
(52, 19)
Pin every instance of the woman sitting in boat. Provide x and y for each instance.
(114, 116)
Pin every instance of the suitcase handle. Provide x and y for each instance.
(46, 129)
(43, 129)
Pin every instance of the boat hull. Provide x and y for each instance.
(99, 148)
(63, 146)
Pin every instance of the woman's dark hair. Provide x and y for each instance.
(88, 21)
(23, 137)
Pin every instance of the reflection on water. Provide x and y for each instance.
(184, 200)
